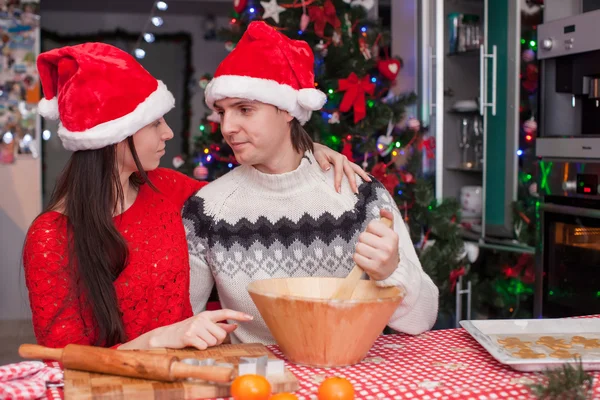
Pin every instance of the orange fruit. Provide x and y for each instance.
(250, 387)
(336, 388)
(284, 396)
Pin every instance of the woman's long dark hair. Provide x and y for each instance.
(90, 194)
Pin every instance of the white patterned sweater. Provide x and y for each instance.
(248, 225)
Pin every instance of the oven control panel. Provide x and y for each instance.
(586, 184)
(571, 35)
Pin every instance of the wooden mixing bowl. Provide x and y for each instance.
(311, 329)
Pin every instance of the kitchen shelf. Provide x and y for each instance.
(464, 169)
(467, 53)
(514, 248)
(462, 113)
(496, 244)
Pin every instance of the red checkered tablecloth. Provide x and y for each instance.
(445, 364)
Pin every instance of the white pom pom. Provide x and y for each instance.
(311, 99)
(48, 108)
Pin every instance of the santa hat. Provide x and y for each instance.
(101, 94)
(271, 68)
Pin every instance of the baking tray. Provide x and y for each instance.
(579, 336)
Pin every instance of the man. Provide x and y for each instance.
(277, 214)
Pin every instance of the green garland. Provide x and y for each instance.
(568, 382)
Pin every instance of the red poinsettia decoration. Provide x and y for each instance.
(389, 180)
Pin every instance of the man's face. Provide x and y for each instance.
(257, 132)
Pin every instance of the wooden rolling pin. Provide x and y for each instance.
(134, 364)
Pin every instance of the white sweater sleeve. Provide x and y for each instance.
(418, 310)
(201, 278)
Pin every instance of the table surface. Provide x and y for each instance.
(444, 364)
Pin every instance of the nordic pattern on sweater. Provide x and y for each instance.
(248, 226)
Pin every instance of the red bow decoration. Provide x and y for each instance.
(389, 181)
(355, 89)
(454, 275)
(429, 146)
(323, 15)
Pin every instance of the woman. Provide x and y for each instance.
(107, 263)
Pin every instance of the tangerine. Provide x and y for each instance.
(250, 387)
(336, 388)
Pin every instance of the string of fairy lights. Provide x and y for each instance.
(155, 18)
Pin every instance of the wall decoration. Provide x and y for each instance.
(19, 81)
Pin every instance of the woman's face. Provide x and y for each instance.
(149, 142)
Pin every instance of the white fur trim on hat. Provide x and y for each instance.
(299, 104)
(155, 106)
(48, 108)
(311, 99)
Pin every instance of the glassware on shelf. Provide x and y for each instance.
(464, 32)
(478, 141)
(470, 142)
(464, 143)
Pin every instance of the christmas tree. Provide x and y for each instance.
(363, 119)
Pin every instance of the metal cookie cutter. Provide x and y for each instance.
(204, 362)
(260, 366)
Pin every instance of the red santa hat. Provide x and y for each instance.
(269, 67)
(101, 94)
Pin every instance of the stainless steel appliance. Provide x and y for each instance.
(569, 121)
(568, 264)
(568, 148)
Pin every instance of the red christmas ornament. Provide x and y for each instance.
(355, 89)
(413, 124)
(364, 49)
(321, 16)
(239, 5)
(389, 181)
(530, 83)
(528, 55)
(530, 127)
(200, 172)
(407, 177)
(389, 68)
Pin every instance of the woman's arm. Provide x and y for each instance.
(57, 314)
(200, 331)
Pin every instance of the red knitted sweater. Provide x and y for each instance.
(153, 288)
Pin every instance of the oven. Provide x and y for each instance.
(568, 254)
